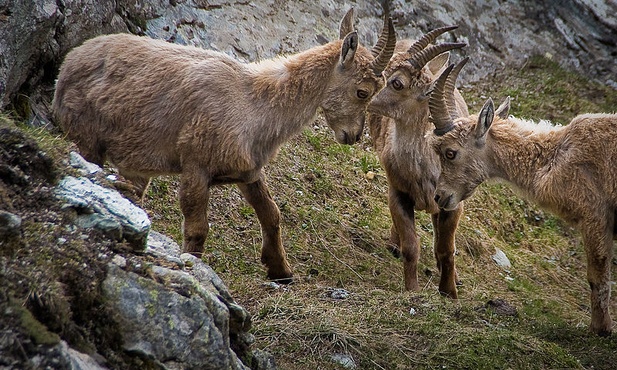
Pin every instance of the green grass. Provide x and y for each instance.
(336, 223)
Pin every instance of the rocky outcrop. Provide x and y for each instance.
(80, 297)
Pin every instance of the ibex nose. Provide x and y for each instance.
(437, 197)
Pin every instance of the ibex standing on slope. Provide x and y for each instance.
(398, 125)
(569, 170)
(155, 108)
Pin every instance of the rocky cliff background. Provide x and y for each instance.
(126, 316)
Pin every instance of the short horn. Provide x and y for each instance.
(382, 59)
(423, 42)
(439, 115)
(420, 59)
(346, 25)
(451, 85)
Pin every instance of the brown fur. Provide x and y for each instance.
(154, 108)
(568, 170)
(398, 125)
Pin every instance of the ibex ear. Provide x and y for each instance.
(485, 119)
(346, 25)
(440, 62)
(348, 50)
(504, 109)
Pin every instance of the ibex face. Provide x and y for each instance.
(350, 89)
(408, 82)
(460, 142)
(355, 80)
(405, 91)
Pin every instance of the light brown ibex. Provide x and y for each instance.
(154, 108)
(569, 170)
(398, 125)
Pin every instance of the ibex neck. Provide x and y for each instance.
(412, 129)
(522, 153)
(298, 81)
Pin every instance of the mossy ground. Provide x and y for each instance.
(335, 225)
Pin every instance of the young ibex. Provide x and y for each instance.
(568, 170)
(398, 125)
(154, 108)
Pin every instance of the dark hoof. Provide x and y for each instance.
(396, 252)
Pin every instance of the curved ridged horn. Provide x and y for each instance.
(438, 108)
(423, 42)
(383, 38)
(451, 85)
(346, 25)
(382, 59)
(420, 59)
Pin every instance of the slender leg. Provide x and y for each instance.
(444, 228)
(402, 212)
(194, 197)
(272, 252)
(394, 242)
(597, 239)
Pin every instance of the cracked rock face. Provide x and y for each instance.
(580, 34)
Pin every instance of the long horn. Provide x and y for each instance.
(346, 25)
(382, 59)
(383, 37)
(423, 42)
(437, 106)
(420, 59)
(451, 85)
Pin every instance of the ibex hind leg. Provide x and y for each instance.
(272, 252)
(598, 247)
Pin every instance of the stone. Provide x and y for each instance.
(188, 329)
(10, 224)
(501, 259)
(105, 209)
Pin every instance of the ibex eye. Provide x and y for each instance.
(362, 94)
(450, 154)
(397, 84)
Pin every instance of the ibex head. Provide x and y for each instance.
(410, 75)
(355, 80)
(460, 142)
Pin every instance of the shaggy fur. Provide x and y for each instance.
(154, 108)
(568, 170)
(398, 125)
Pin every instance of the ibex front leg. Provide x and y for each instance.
(272, 252)
(444, 229)
(402, 212)
(194, 196)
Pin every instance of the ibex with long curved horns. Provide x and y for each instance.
(569, 170)
(155, 108)
(398, 124)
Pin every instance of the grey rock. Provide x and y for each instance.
(175, 331)
(85, 167)
(105, 209)
(345, 360)
(501, 259)
(78, 360)
(10, 224)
